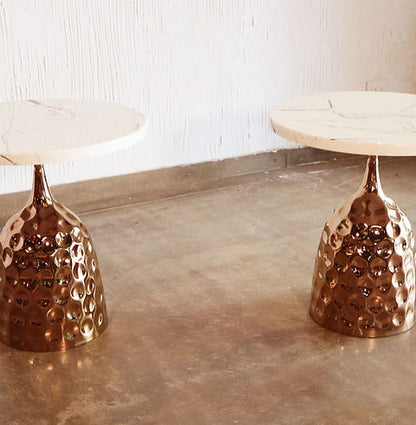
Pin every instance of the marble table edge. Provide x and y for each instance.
(339, 145)
(344, 145)
(80, 152)
(83, 152)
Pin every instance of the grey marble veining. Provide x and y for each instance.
(42, 131)
(367, 123)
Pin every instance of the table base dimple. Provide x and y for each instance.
(364, 278)
(51, 293)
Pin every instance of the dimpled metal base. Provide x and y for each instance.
(364, 278)
(51, 294)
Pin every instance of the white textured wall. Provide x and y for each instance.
(205, 72)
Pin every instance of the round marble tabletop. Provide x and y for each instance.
(368, 123)
(37, 132)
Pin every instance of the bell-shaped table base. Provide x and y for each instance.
(51, 294)
(364, 279)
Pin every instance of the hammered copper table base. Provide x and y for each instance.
(51, 294)
(364, 279)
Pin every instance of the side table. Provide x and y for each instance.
(364, 278)
(51, 292)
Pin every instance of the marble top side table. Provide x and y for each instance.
(51, 293)
(364, 278)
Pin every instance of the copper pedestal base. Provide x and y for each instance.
(51, 294)
(364, 279)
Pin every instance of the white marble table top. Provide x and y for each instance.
(37, 132)
(369, 123)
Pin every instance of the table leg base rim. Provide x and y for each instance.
(57, 348)
(369, 333)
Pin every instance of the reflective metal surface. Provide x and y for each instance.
(364, 278)
(51, 294)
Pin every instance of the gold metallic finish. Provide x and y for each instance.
(364, 278)
(51, 294)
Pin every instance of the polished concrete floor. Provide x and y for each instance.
(208, 297)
